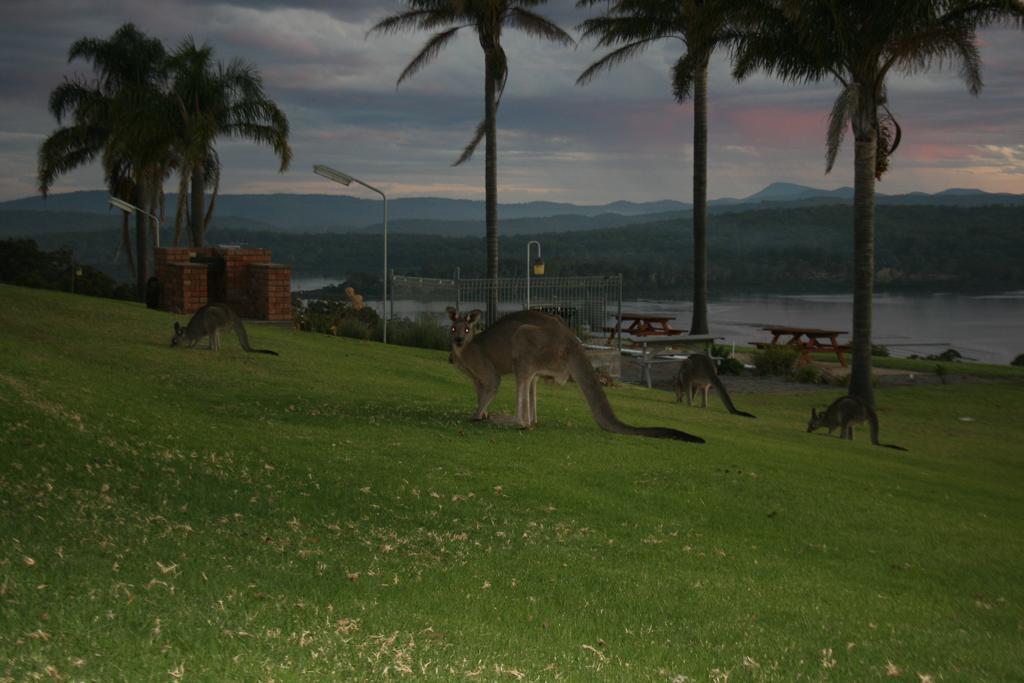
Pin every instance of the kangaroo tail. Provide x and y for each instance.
(873, 419)
(583, 374)
(243, 339)
(720, 388)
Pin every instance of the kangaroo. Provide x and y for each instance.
(843, 413)
(697, 373)
(532, 344)
(209, 321)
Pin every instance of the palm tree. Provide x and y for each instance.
(214, 100)
(487, 18)
(858, 43)
(631, 26)
(115, 117)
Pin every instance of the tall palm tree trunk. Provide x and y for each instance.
(197, 229)
(863, 254)
(699, 323)
(141, 244)
(491, 184)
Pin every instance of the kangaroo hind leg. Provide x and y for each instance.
(486, 390)
(526, 388)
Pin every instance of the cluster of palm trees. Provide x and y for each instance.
(856, 43)
(148, 114)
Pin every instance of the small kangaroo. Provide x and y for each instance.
(209, 321)
(532, 344)
(843, 413)
(697, 373)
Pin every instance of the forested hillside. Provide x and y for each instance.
(945, 248)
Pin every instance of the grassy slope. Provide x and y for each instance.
(331, 513)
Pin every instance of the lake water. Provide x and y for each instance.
(987, 328)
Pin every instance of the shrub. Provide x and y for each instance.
(808, 374)
(356, 329)
(335, 317)
(728, 365)
(880, 350)
(777, 359)
(1018, 361)
(342, 320)
(424, 333)
(22, 263)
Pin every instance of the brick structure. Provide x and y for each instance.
(244, 279)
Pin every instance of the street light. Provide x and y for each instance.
(345, 179)
(537, 268)
(131, 208)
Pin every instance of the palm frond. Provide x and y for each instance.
(214, 171)
(501, 80)
(612, 59)
(181, 216)
(536, 26)
(838, 121)
(430, 50)
(415, 19)
(65, 150)
(684, 73)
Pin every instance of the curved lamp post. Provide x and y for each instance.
(131, 208)
(537, 268)
(346, 179)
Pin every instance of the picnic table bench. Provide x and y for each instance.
(657, 350)
(807, 340)
(642, 325)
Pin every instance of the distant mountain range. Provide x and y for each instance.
(88, 211)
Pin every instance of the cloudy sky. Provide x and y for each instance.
(621, 137)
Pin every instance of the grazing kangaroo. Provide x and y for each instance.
(843, 413)
(532, 344)
(697, 373)
(209, 321)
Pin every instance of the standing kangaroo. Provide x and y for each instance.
(844, 413)
(697, 373)
(532, 344)
(209, 321)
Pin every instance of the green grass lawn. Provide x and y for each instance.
(331, 514)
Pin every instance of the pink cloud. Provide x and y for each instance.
(774, 126)
(929, 153)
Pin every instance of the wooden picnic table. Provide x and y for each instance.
(807, 340)
(643, 325)
(654, 349)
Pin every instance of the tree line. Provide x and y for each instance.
(761, 250)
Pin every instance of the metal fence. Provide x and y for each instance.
(587, 304)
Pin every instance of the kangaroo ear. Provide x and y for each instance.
(177, 328)
(474, 315)
(452, 313)
(814, 413)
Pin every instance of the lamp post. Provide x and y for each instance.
(131, 208)
(537, 268)
(346, 179)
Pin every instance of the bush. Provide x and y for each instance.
(424, 333)
(808, 374)
(728, 365)
(880, 350)
(340, 319)
(1018, 361)
(23, 264)
(777, 359)
(337, 318)
(355, 329)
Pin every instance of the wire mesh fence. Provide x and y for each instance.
(589, 305)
